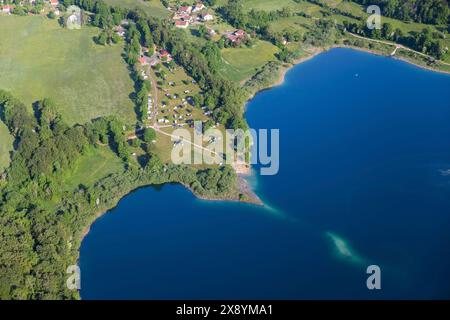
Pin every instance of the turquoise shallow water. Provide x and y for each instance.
(365, 145)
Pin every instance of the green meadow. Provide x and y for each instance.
(5, 146)
(272, 5)
(96, 164)
(241, 63)
(39, 59)
(153, 8)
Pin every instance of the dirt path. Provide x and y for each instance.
(154, 96)
(157, 129)
(397, 46)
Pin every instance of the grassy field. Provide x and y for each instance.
(241, 63)
(180, 83)
(93, 166)
(291, 23)
(163, 147)
(272, 5)
(40, 59)
(153, 8)
(5, 146)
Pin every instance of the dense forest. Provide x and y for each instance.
(42, 221)
(423, 11)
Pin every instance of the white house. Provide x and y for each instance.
(207, 17)
(198, 7)
(6, 9)
(120, 31)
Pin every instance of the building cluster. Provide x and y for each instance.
(7, 6)
(187, 15)
(181, 114)
(236, 37)
(161, 55)
(121, 29)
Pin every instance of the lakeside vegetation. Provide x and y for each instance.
(52, 192)
(71, 109)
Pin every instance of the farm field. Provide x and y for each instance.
(293, 23)
(40, 59)
(241, 63)
(271, 5)
(153, 8)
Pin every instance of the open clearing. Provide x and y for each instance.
(40, 59)
(241, 63)
(96, 164)
(153, 8)
(272, 5)
(5, 146)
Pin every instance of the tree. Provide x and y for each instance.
(107, 36)
(387, 30)
(149, 135)
(202, 31)
(51, 15)
(436, 50)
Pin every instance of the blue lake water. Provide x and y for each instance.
(364, 146)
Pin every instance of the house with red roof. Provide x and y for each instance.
(185, 10)
(186, 17)
(232, 38)
(182, 24)
(165, 56)
(143, 60)
(239, 33)
(54, 2)
(236, 36)
(7, 9)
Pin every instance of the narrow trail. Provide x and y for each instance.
(154, 95)
(240, 167)
(157, 129)
(398, 46)
(395, 51)
(134, 136)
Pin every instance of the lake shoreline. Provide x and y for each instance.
(242, 187)
(242, 184)
(280, 79)
(153, 229)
